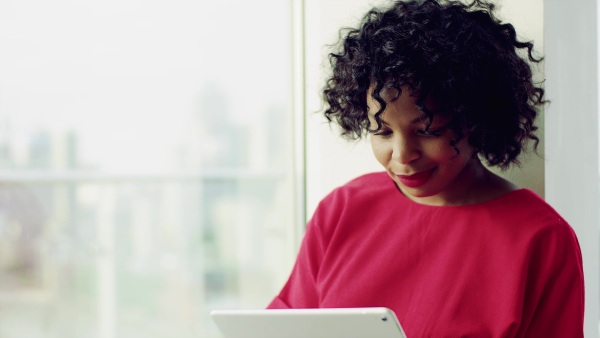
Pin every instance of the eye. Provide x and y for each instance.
(431, 132)
(383, 133)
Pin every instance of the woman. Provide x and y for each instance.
(453, 249)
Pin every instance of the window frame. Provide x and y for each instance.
(571, 34)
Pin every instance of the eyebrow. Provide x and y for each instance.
(418, 119)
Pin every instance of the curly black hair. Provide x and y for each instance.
(460, 54)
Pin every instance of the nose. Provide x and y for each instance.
(405, 150)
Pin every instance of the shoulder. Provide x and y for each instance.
(353, 199)
(367, 186)
(526, 205)
(548, 228)
(374, 179)
(520, 218)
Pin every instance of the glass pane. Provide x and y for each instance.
(145, 164)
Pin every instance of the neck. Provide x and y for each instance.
(477, 184)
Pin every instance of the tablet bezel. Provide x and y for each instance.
(371, 322)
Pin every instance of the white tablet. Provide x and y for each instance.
(373, 322)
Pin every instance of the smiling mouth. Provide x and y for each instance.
(415, 180)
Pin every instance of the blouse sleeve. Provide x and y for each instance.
(554, 296)
(302, 289)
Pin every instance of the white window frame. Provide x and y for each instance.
(571, 121)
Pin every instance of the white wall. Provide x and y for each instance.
(331, 161)
(572, 184)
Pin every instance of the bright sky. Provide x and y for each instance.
(128, 75)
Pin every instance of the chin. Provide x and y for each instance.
(418, 192)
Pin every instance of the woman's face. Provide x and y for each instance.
(423, 164)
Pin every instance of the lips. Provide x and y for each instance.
(415, 180)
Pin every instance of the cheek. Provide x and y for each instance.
(381, 152)
(440, 151)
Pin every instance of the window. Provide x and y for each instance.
(147, 170)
